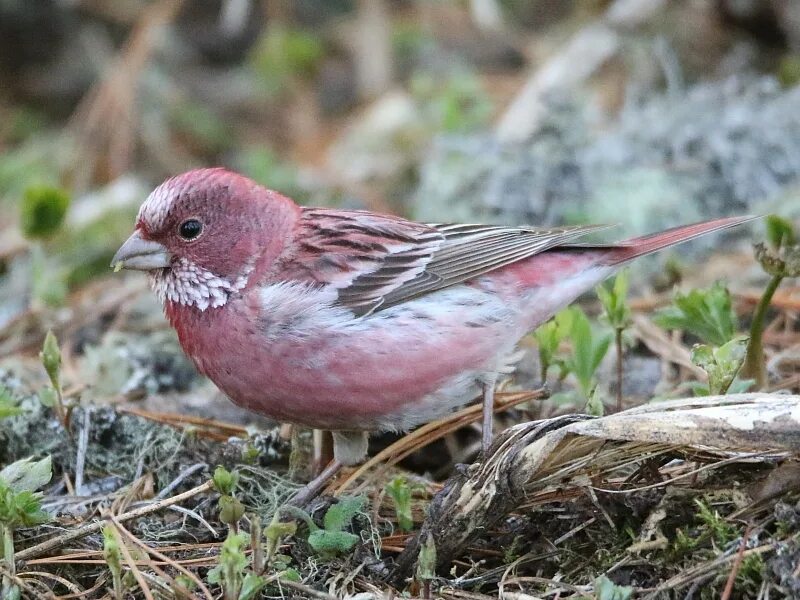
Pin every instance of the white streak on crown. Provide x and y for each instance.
(155, 209)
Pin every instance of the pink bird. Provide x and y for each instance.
(354, 321)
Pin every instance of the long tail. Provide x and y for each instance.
(639, 246)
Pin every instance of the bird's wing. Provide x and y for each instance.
(376, 261)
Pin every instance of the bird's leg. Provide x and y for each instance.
(323, 450)
(312, 489)
(349, 448)
(488, 412)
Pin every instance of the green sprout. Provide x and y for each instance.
(548, 338)
(708, 314)
(20, 506)
(426, 565)
(722, 532)
(400, 491)
(113, 557)
(231, 509)
(51, 360)
(274, 532)
(231, 574)
(588, 349)
(618, 315)
(721, 364)
(779, 258)
(8, 404)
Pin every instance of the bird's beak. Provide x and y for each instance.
(140, 254)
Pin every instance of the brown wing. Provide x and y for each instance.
(377, 261)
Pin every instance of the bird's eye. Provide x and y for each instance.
(190, 229)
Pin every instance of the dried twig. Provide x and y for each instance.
(76, 534)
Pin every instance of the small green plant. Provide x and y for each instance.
(400, 491)
(708, 314)
(274, 532)
(231, 510)
(721, 364)
(548, 338)
(426, 565)
(113, 557)
(617, 313)
(8, 404)
(721, 531)
(42, 211)
(20, 506)
(331, 539)
(779, 258)
(51, 360)
(605, 589)
(232, 573)
(588, 349)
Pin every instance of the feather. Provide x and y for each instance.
(378, 261)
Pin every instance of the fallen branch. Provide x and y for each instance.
(532, 457)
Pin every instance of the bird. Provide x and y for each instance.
(354, 321)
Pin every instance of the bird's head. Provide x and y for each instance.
(202, 234)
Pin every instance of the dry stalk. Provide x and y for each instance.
(76, 534)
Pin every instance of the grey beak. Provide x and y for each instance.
(140, 254)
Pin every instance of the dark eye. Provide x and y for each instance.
(190, 229)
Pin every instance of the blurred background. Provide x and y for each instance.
(649, 113)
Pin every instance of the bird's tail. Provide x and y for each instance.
(639, 246)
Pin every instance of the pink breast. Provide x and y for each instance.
(342, 378)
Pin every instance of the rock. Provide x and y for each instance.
(718, 149)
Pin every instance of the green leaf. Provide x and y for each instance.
(278, 529)
(614, 301)
(594, 406)
(291, 575)
(708, 314)
(26, 475)
(21, 508)
(230, 510)
(426, 561)
(399, 490)
(232, 562)
(331, 543)
(780, 232)
(588, 350)
(111, 551)
(251, 585)
(225, 481)
(8, 404)
(48, 397)
(721, 364)
(340, 514)
(605, 589)
(51, 358)
(43, 210)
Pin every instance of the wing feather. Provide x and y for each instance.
(376, 261)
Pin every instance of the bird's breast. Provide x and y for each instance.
(286, 351)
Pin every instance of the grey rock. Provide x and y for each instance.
(718, 149)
